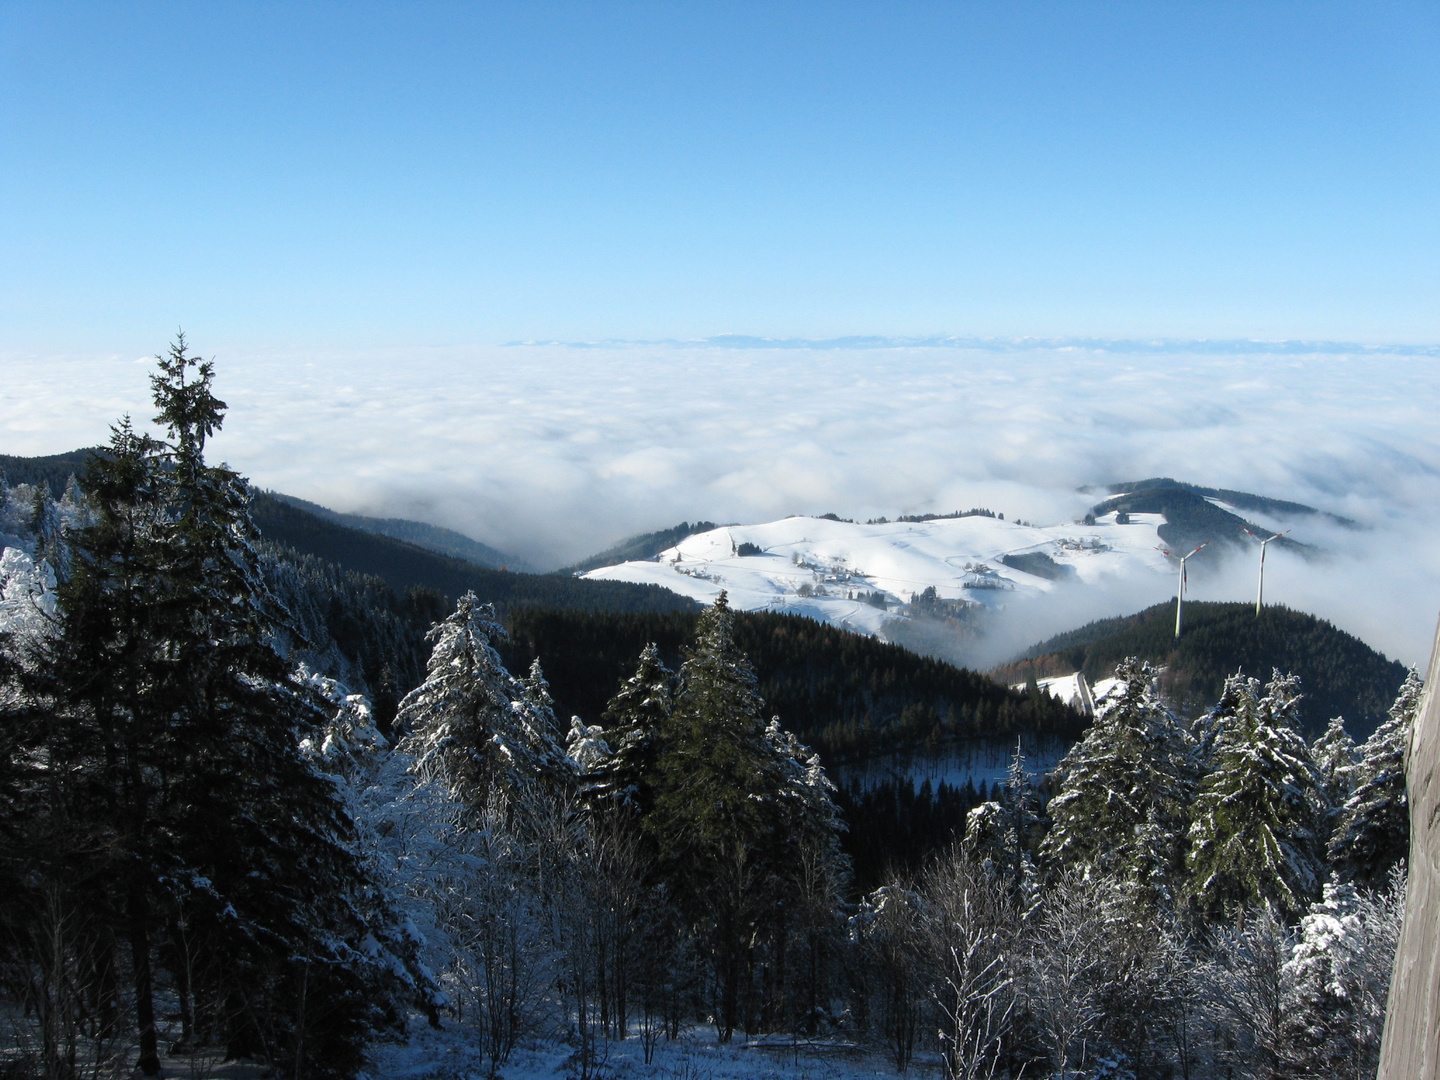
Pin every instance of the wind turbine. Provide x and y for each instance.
(1180, 592)
(1260, 592)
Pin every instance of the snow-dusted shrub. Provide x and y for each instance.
(1337, 979)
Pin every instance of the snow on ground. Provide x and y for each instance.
(1077, 691)
(834, 561)
(450, 1054)
(1072, 689)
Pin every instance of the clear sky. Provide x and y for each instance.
(328, 176)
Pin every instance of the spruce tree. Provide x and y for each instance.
(717, 817)
(636, 724)
(733, 802)
(1372, 830)
(1256, 832)
(177, 723)
(1335, 757)
(471, 724)
(1336, 981)
(1004, 831)
(98, 675)
(1124, 792)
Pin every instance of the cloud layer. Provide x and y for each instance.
(554, 451)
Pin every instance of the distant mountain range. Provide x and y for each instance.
(854, 697)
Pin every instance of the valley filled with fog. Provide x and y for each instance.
(556, 451)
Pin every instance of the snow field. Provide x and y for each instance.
(958, 557)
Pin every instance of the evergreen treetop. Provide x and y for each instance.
(1124, 792)
(1372, 828)
(473, 725)
(1256, 832)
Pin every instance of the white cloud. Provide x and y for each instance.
(555, 452)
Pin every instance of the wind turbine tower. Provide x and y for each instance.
(1180, 592)
(1260, 592)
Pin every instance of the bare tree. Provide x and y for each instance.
(60, 970)
(1065, 967)
(502, 959)
(969, 924)
(1244, 991)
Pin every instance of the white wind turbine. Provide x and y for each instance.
(1260, 592)
(1180, 592)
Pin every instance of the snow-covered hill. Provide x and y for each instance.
(830, 570)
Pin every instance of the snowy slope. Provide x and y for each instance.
(959, 557)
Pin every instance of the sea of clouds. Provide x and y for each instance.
(555, 451)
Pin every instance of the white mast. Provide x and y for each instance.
(1260, 591)
(1180, 592)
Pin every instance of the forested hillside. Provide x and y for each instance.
(847, 695)
(405, 566)
(1342, 676)
(430, 537)
(400, 564)
(1191, 518)
(644, 546)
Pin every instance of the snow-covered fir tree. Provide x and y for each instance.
(636, 724)
(1258, 818)
(1124, 793)
(471, 723)
(1372, 829)
(1336, 981)
(1335, 757)
(1005, 832)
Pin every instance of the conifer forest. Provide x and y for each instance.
(260, 811)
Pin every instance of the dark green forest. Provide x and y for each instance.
(1341, 675)
(846, 695)
(402, 565)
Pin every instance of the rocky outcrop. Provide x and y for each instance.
(1411, 1049)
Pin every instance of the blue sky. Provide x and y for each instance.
(335, 176)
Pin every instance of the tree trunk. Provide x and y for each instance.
(149, 1062)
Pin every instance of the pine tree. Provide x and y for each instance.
(1372, 831)
(471, 724)
(735, 800)
(814, 871)
(1336, 758)
(1336, 981)
(1124, 791)
(716, 818)
(1258, 818)
(98, 677)
(636, 723)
